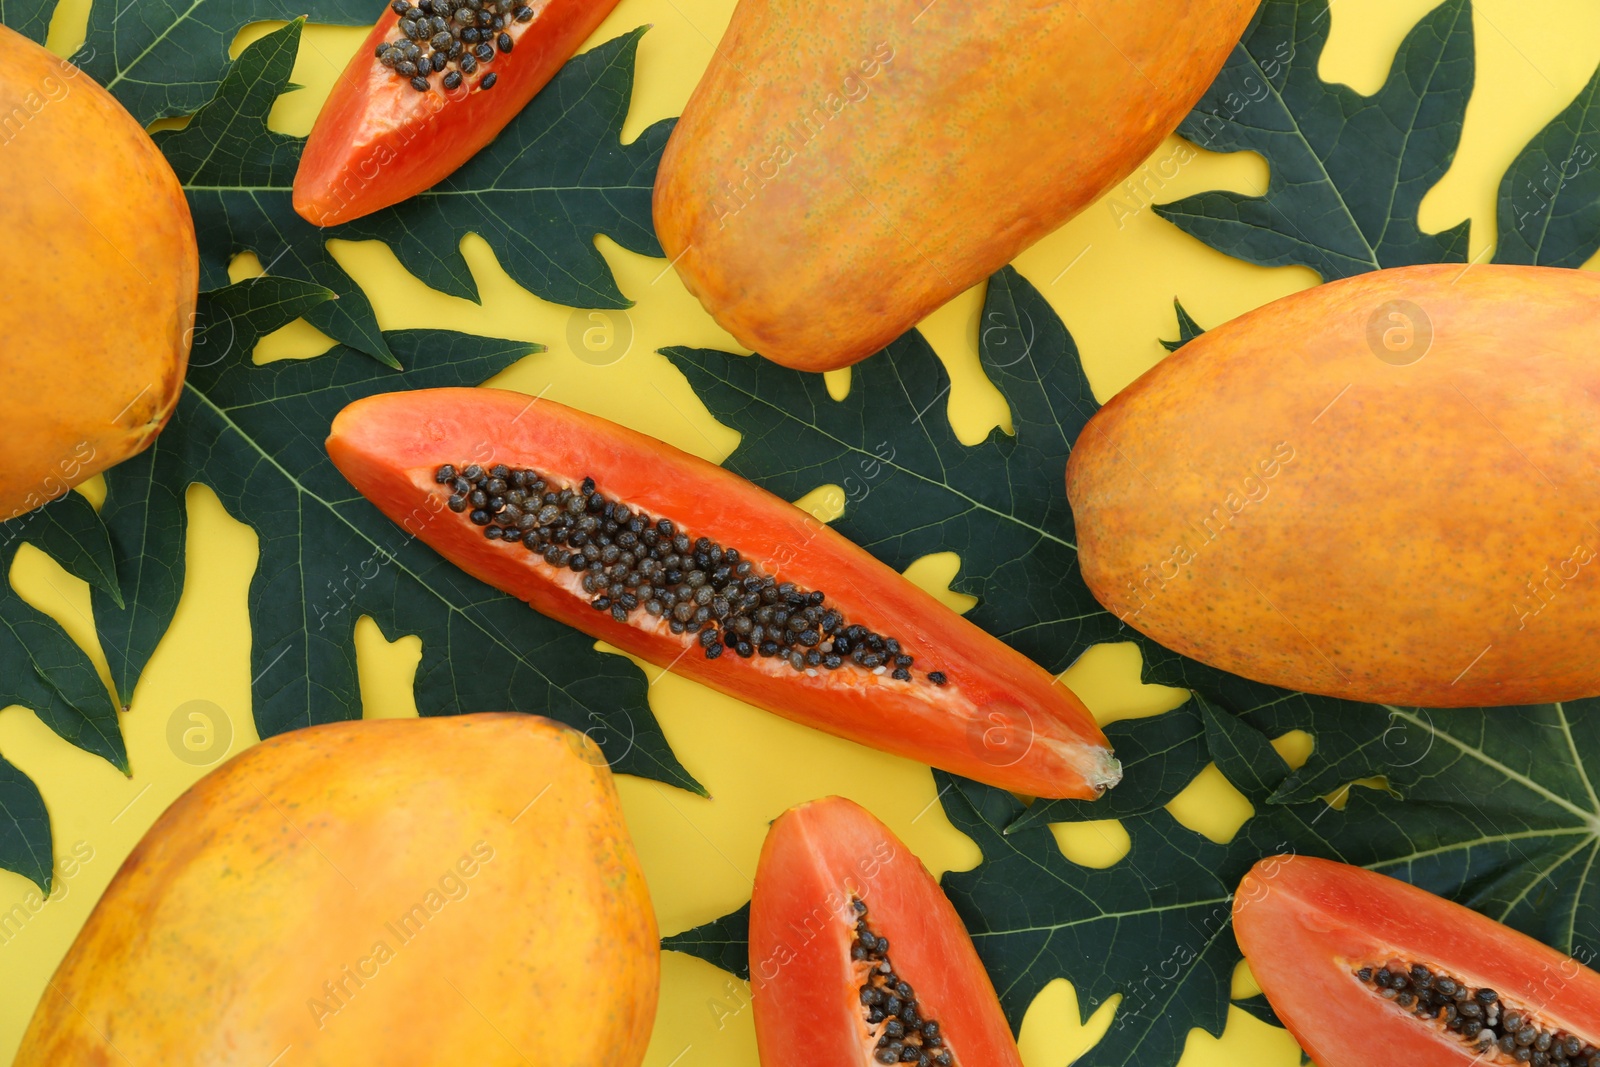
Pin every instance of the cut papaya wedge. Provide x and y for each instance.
(433, 83)
(1364, 969)
(857, 957)
(692, 568)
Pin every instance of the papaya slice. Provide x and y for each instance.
(1365, 969)
(692, 568)
(857, 957)
(433, 83)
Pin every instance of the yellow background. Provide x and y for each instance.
(1111, 274)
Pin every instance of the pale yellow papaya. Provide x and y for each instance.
(845, 167)
(407, 893)
(1381, 489)
(99, 284)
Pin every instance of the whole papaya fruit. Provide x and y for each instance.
(398, 892)
(1380, 489)
(100, 286)
(844, 168)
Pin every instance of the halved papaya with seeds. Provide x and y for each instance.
(694, 569)
(1365, 969)
(857, 956)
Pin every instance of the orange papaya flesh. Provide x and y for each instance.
(843, 169)
(857, 957)
(1363, 969)
(1379, 489)
(390, 130)
(917, 680)
(404, 892)
(100, 295)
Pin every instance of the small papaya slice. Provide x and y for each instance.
(404, 892)
(857, 957)
(1365, 969)
(1378, 489)
(692, 568)
(433, 83)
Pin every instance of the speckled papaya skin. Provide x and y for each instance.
(845, 167)
(100, 284)
(405, 892)
(1381, 489)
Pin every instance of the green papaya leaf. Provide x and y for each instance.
(1550, 197)
(31, 18)
(1156, 928)
(163, 58)
(723, 942)
(25, 845)
(1188, 329)
(1242, 752)
(255, 435)
(70, 531)
(1348, 172)
(556, 177)
(43, 668)
(238, 176)
(239, 315)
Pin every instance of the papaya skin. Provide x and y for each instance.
(804, 985)
(1307, 925)
(1350, 490)
(100, 287)
(486, 852)
(846, 167)
(1000, 717)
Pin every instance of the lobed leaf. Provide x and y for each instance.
(1549, 202)
(556, 177)
(1348, 172)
